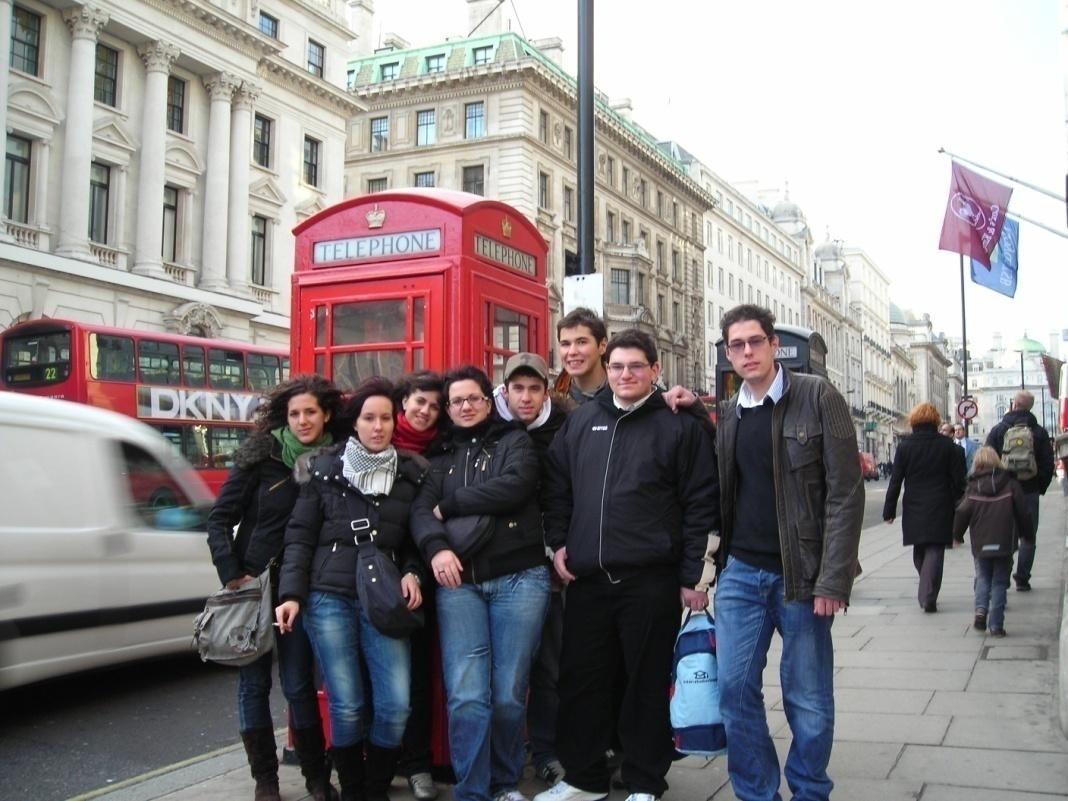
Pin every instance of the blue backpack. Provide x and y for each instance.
(695, 718)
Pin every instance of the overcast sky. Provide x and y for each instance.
(849, 103)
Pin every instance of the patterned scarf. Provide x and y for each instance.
(370, 473)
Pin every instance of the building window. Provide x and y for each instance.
(626, 232)
(170, 223)
(660, 308)
(17, 179)
(259, 250)
(625, 186)
(639, 298)
(474, 180)
(268, 25)
(676, 316)
(569, 204)
(675, 213)
(426, 131)
(261, 141)
(482, 55)
(99, 187)
(569, 144)
(435, 63)
(350, 78)
(620, 289)
(425, 179)
(642, 192)
(659, 203)
(610, 227)
(543, 126)
(175, 104)
(610, 170)
(475, 120)
(379, 134)
(311, 161)
(719, 275)
(25, 40)
(660, 255)
(377, 185)
(107, 75)
(316, 58)
(676, 266)
(544, 196)
(390, 71)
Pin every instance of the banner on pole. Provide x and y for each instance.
(1004, 262)
(975, 214)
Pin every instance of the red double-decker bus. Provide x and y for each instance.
(201, 394)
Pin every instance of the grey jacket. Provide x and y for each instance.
(819, 491)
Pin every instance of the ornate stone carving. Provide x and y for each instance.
(158, 56)
(246, 94)
(448, 121)
(221, 85)
(85, 22)
(197, 319)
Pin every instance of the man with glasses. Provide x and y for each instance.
(630, 500)
(792, 505)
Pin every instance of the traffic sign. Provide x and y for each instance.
(967, 409)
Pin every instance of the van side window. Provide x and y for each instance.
(157, 499)
(111, 358)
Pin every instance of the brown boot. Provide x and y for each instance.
(263, 762)
(311, 751)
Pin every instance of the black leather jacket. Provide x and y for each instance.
(819, 491)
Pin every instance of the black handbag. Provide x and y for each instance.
(378, 586)
(468, 534)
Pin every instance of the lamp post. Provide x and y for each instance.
(1022, 385)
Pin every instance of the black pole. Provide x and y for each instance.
(964, 337)
(585, 136)
(1023, 385)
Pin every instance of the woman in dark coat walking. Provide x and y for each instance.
(932, 467)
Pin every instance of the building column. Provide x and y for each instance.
(213, 259)
(84, 23)
(148, 242)
(5, 36)
(237, 241)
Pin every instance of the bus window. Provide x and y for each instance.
(223, 441)
(193, 365)
(111, 358)
(285, 368)
(158, 363)
(226, 369)
(263, 371)
(510, 334)
(37, 359)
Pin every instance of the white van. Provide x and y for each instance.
(103, 554)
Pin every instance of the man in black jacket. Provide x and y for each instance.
(1033, 487)
(630, 500)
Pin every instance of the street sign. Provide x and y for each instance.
(967, 409)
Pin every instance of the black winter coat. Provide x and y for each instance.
(320, 552)
(259, 493)
(631, 490)
(932, 468)
(995, 510)
(491, 469)
(1043, 449)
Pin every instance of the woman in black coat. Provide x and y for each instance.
(258, 498)
(932, 468)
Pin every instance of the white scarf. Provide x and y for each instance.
(500, 398)
(370, 473)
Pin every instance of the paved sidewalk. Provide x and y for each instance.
(927, 708)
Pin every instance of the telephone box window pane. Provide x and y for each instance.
(352, 368)
(497, 369)
(510, 330)
(370, 321)
(320, 326)
(193, 365)
(417, 359)
(418, 319)
(320, 364)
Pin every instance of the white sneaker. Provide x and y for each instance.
(642, 797)
(562, 791)
(510, 795)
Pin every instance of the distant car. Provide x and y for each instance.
(103, 542)
(868, 468)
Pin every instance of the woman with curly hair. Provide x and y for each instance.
(932, 468)
(258, 497)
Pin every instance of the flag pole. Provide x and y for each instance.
(964, 337)
(1038, 189)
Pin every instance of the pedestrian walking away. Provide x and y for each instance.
(792, 508)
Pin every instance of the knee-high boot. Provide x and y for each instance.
(263, 762)
(348, 762)
(381, 765)
(311, 751)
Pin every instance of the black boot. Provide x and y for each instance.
(348, 762)
(381, 765)
(263, 762)
(311, 751)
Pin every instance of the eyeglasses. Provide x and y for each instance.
(474, 400)
(738, 346)
(633, 368)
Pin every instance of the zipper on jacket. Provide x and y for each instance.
(604, 491)
(467, 457)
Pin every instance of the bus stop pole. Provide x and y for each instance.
(585, 136)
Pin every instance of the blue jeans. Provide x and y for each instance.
(489, 633)
(1026, 558)
(750, 606)
(295, 671)
(344, 640)
(991, 584)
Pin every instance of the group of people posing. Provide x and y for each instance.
(553, 535)
(953, 485)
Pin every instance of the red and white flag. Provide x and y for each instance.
(974, 214)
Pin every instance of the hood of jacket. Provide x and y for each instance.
(988, 483)
(1020, 417)
(257, 446)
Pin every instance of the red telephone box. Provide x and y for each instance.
(413, 279)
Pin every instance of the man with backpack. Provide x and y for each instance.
(1025, 448)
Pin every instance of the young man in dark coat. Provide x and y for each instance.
(1034, 487)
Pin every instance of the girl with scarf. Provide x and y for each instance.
(258, 497)
(364, 485)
